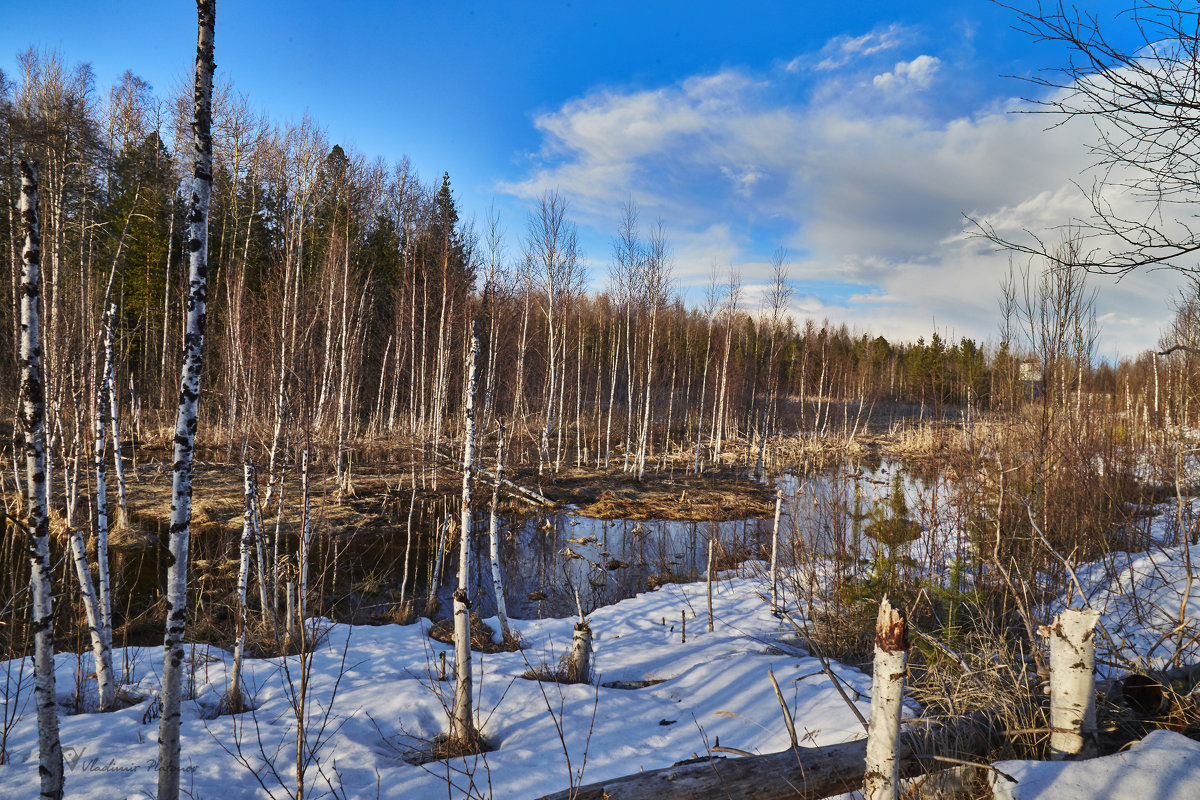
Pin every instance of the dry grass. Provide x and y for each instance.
(482, 636)
(563, 672)
(443, 748)
(713, 495)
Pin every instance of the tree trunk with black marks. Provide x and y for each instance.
(774, 570)
(33, 415)
(233, 698)
(462, 724)
(1072, 684)
(101, 650)
(494, 540)
(100, 426)
(881, 781)
(305, 540)
(579, 668)
(186, 416)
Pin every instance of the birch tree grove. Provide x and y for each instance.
(186, 417)
(33, 415)
(624, 373)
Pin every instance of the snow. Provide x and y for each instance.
(380, 691)
(1163, 766)
(374, 697)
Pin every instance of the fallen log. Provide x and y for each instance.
(802, 772)
(522, 492)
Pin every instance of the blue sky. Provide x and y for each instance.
(856, 135)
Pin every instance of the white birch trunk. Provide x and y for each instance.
(186, 418)
(719, 408)
(645, 433)
(100, 425)
(233, 699)
(544, 448)
(412, 504)
(166, 324)
(462, 725)
(110, 385)
(33, 413)
(343, 474)
(709, 573)
(494, 540)
(612, 390)
(703, 389)
(579, 669)
(259, 548)
(101, 649)
(518, 389)
(775, 553)
(881, 781)
(305, 534)
(1072, 684)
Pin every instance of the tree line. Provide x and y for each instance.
(342, 291)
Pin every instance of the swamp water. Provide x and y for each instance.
(552, 561)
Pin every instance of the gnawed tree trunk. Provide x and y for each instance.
(101, 649)
(462, 724)
(801, 773)
(881, 781)
(185, 419)
(33, 415)
(579, 667)
(1072, 684)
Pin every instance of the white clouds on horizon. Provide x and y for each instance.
(872, 196)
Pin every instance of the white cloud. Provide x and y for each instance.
(840, 50)
(917, 73)
(872, 199)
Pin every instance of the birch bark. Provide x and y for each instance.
(462, 726)
(494, 539)
(881, 781)
(101, 650)
(186, 417)
(1072, 684)
(33, 413)
(233, 698)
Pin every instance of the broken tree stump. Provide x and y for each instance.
(1072, 684)
(881, 780)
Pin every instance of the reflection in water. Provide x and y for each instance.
(554, 557)
(561, 556)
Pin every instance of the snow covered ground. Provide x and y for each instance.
(1162, 766)
(387, 698)
(375, 697)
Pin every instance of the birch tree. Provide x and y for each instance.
(186, 416)
(462, 725)
(552, 253)
(33, 413)
(494, 539)
(656, 281)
